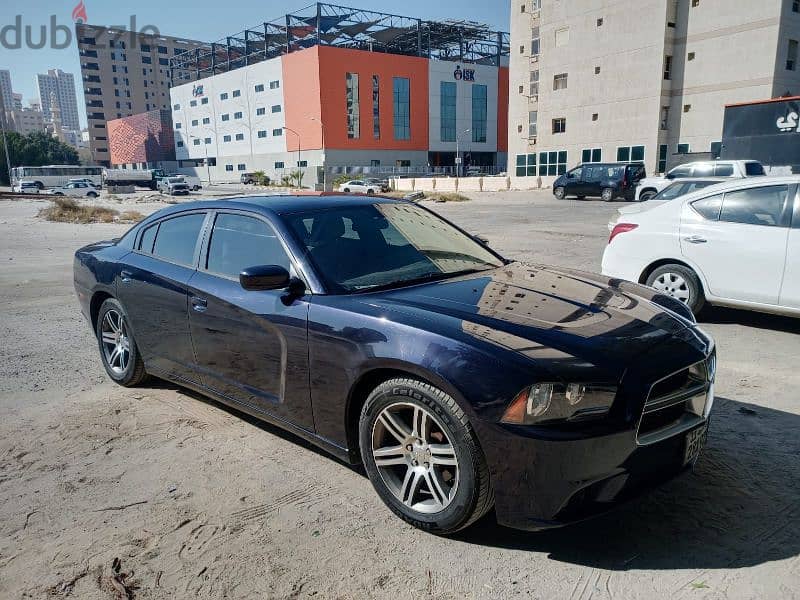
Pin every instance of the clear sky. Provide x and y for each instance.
(207, 20)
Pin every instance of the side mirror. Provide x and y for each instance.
(264, 277)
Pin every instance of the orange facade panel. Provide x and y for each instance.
(302, 99)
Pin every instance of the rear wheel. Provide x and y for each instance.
(607, 194)
(560, 193)
(423, 458)
(347, 190)
(92, 194)
(370, 192)
(118, 349)
(681, 283)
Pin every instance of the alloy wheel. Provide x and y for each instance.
(673, 285)
(415, 457)
(116, 341)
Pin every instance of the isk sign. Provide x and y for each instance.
(464, 74)
(789, 123)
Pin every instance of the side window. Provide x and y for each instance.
(148, 237)
(703, 170)
(238, 242)
(753, 169)
(723, 170)
(678, 172)
(756, 206)
(575, 173)
(709, 207)
(177, 238)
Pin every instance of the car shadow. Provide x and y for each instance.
(740, 506)
(718, 315)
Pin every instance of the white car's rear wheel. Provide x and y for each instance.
(681, 283)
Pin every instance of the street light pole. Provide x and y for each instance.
(5, 142)
(324, 169)
(298, 150)
(458, 154)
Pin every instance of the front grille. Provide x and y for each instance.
(677, 402)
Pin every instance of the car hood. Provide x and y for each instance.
(544, 313)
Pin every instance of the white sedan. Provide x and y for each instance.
(734, 244)
(356, 186)
(76, 188)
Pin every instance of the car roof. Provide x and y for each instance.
(284, 204)
(698, 179)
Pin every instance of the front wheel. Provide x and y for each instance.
(118, 349)
(607, 195)
(92, 194)
(423, 458)
(347, 190)
(681, 283)
(560, 193)
(647, 195)
(370, 192)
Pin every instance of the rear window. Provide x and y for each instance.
(753, 169)
(176, 238)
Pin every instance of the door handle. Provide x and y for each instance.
(126, 276)
(199, 304)
(695, 239)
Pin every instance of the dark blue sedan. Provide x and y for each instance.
(388, 336)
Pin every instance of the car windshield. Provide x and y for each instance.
(681, 188)
(382, 245)
(175, 180)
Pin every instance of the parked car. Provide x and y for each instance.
(174, 186)
(247, 178)
(26, 187)
(736, 169)
(193, 182)
(387, 336)
(604, 180)
(734, 244)
(674, 190)
(84, 180)
(382, 184)
(360, 186)
(76, 188)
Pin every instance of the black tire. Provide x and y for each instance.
(39, 185)
(473, 496)
(346, 190)
(92, 194)
(560, 193)
(134, 373)
(691, 283)
(647, 195)
(370, 192)
(58, 193)
(606, 194)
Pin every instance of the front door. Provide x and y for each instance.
(251, 346)
(740, 243)
(152, 287)
(575, 186)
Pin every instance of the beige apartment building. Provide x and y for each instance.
(125, 73)
(638, 80)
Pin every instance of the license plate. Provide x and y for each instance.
(695, 440)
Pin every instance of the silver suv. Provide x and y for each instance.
(650, 186)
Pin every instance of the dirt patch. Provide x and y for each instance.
(69, 210)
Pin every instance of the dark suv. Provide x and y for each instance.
(605, 180)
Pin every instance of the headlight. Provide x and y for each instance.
(558, 402)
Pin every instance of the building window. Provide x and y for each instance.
(401, 87)
(562, 37)
(223, 96)
(447, 104)
(241, 167)
(662, 158)
(595, 116)
(597, 70)
(146, 60)
(262, 133)
(535, 83)
(239, 137)
(376, 107)
(226, 138)
(276, 108)
(302, 163)
(374, 163)
(690, 56)
(683, 148)
(274, 85)
(180, 144)
(226, 117)
(600, 22)
(667, 67)
(526, 165)
(791, 55)
(193, 103)
(229, 168)
(695, 3)
(261, 111)
(259, 87)
(533, 118)
(202, 100)
(206, 121)
(591, 155)
(196, 141)
(207, 140)
(277, 132)
(535, 42)
(687, 108)
(280, 165)
(351, 99)
(237, 115)
(479, 113)
(237, 93)
(195, 122)
(716, 149)
(560, 81)
(796, 6)
(630, 153)
(664, 118)
(559, 125)
(552, 163)
(178, 125)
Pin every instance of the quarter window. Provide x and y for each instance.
(239, 242)
(176, 238)
(709, 207)
(755, 206)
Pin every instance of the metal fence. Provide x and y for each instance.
(414, 171)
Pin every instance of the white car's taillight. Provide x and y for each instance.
(621, 228)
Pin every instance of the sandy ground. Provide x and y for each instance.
(174, 496)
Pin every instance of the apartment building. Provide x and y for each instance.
(25, 120)
(61, 86)
(6, 92)
(125, 73)
(638, 80)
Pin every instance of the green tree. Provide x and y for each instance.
(33, 150)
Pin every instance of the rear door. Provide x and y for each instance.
(153, 289)
(790, 291)
(251, 346)
(738, 241)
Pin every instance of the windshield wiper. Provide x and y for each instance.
(427, 278)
